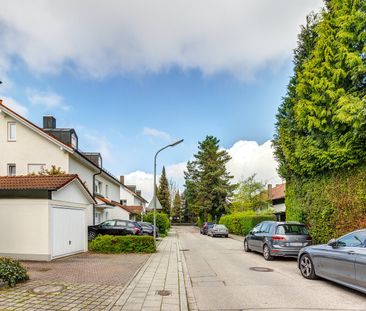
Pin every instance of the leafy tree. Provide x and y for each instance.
(53, 171)
(177, 211)
(163, 192)
(208, 187)
(322, 121)
(251, 195)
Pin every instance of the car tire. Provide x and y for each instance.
(91, 235)
(306, 267)
(267, 253)
(246, 246)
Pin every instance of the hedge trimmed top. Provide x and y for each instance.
(321, 124)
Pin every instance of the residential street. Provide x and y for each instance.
(220, 273)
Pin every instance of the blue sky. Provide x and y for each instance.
(134, 81)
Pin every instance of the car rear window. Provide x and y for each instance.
(291, 229)
(220, 227)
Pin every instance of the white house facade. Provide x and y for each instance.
(29, 149)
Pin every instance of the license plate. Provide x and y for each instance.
(296, 244)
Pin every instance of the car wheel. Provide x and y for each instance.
(307, 268)
(267, 253)
(91, 235)
(246, 246)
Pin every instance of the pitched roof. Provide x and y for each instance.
(133, 209)
(134, 193)
(278, 192)
(42, 182)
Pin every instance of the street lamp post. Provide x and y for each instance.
(171, 145)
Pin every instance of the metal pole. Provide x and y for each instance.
(155, 196)
(156, 155)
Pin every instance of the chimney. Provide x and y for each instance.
(122, 179)
(49, 122)
(138, 192)
(269, 191)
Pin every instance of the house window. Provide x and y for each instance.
(74, 141)
(35, 168)
(123, 202)
(98, 187)
(106, 191)
(98, 218)
(12, 131)
(12, 170)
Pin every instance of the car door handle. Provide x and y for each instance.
(351, 252)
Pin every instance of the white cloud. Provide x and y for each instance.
(14, 105)
(49, 100)
(248, 157)
(98, 143)
(100, 38)
(156, 133)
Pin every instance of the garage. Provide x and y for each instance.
(43, 217)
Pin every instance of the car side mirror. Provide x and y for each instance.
(332, 243)
(251, 232)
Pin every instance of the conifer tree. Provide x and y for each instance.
(208, 186)
(177, 207)
(163, 192)
(321, 124)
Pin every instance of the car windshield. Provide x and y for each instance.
(293, 229)
(220, 227)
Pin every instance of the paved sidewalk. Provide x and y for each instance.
(162, 272)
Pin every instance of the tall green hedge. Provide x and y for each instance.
(109, 244)
(162, 221)
(331, 204)
(241, 223)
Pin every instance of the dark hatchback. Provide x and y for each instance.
(114, 227)
(273, 238)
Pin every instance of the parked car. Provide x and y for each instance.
(206, 226)
(114, 227)
(218, 230)
(342, 261)
(273, 238)
(148, 228)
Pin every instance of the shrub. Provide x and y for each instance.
(242, 222)
(109, 244)
(162, 221)
(331, 204)
(12, 272)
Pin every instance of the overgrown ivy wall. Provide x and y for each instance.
(331, 204)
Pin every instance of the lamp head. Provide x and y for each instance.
(176, 143)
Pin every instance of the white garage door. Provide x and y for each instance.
(69, 233)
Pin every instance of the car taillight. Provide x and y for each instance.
(278, 238)
(137, 230)
(309, 238)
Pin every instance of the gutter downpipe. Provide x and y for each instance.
(99, 173)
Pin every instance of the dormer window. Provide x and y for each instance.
(12, 131)
(74, 141)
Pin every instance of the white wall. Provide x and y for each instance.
(85, 173)
(29, 148)
(126, 195)
(120, 213)
(24, 228)
(113, 188)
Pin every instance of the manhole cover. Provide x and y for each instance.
(261, 269)
(47, 289)
(164, 292)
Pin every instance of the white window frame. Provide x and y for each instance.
(107, 191)
(98, 186)
(74, 141)
(9, 133)
(15, 169)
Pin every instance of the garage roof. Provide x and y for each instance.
(43, 182)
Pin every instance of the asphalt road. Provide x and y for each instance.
(222, 279)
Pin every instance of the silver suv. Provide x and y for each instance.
(273, 238)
